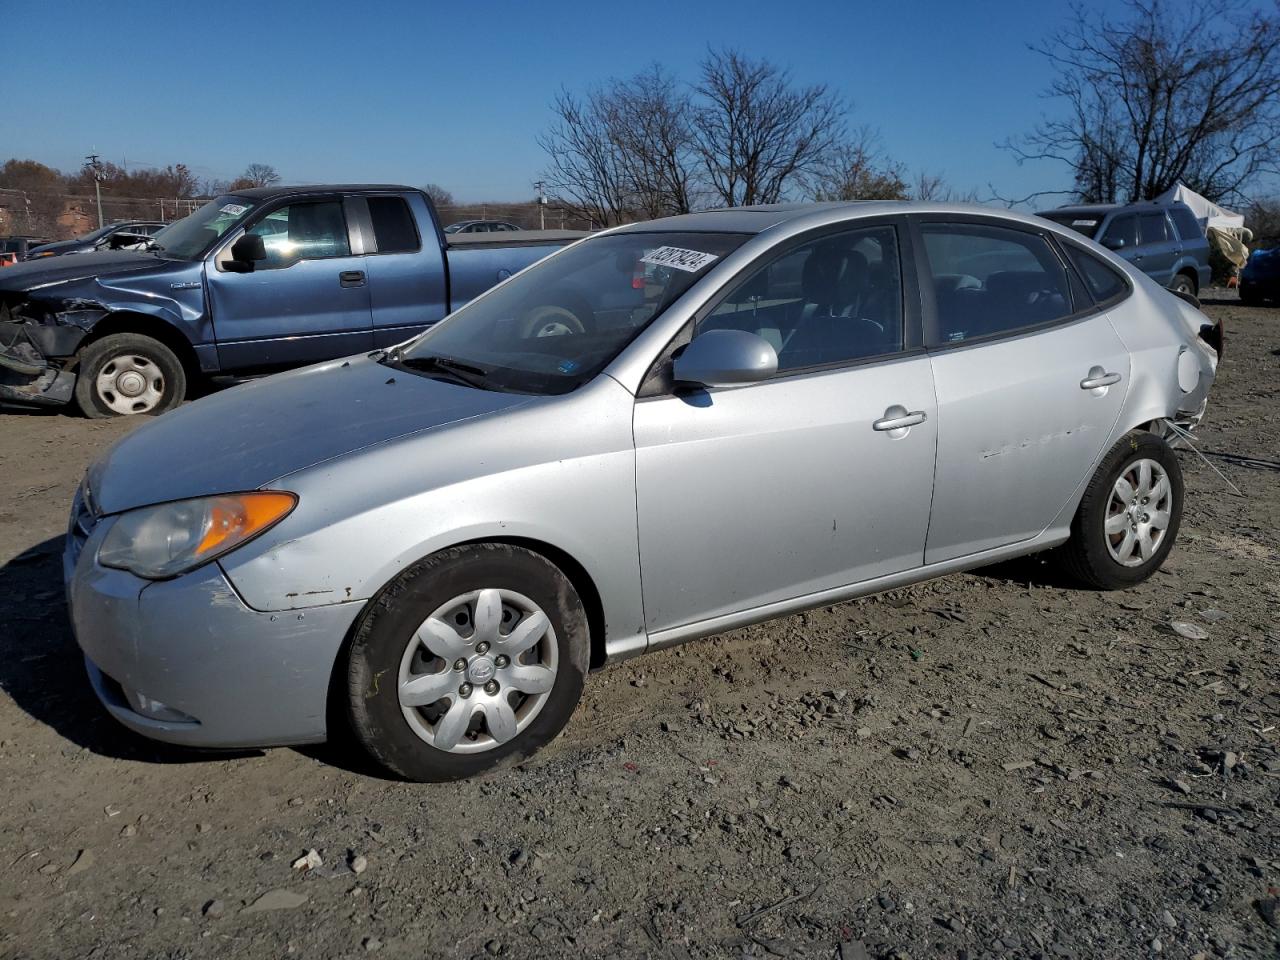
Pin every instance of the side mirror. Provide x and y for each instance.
(725, 358)
(245, 253)
(1113, 243)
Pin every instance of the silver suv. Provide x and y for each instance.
(1163, 240)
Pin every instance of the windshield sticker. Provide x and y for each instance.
(690, 261)
(1083, 223)
(234, 209)
(567, 366)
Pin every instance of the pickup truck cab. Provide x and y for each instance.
(1163, 240)
(255, 281)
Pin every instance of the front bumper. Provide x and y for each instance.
(241, 677)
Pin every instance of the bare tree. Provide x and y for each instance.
(758, 135)
(259, 175)
(647, 119)
(585, 171)
(1263, 218)
(934, 186)
(439, 195)
(859, 170)
(1166, 93)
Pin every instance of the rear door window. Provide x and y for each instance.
(991, 280)
(1154, 228)
(393, 226)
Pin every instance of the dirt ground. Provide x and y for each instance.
(996, 764)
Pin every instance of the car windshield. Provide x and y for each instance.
(1086, 223)
(556, 325)
(189, 237)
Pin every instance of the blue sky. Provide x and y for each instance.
(412, 92)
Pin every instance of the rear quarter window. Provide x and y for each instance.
(1104, 282)
(1186, 222)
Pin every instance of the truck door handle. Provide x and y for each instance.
(351, 278)
(1098, 378)
(897, 418)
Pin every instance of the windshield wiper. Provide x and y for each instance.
(466, 373)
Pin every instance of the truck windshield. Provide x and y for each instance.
(556, 325)
(189, 237)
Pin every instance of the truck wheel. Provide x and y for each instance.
(1128, 518)
(127, 373)
(468, 661)
(1183, 284)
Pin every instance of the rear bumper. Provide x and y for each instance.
(186, 662)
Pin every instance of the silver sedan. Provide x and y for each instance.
(664, 431)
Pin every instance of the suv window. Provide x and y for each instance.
(302, 231)
(1121, 232)
(1185, 220)
(1154, 228)
(992, 280)
(832, 300)
(393, 226)
(1104, 282)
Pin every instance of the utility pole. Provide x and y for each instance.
(542, 207)
(95, 165)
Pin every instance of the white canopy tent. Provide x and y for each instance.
(1208, 213)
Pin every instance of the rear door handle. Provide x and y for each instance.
(897, 418)
(351, 278)
(1097, 378)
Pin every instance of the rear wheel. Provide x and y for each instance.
(1128, 518)
(468, 661)
(125, 374)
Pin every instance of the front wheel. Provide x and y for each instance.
(470, 660)
(1183, 285)
(124, 374)
(1128, 518)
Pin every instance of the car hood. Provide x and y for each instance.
(247, 436)
(30, 274)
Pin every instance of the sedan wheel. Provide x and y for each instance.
(471, 659)
(1128, 517)
(1138, 514)
(478, 671)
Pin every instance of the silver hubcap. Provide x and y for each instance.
(130, 383)
(478, 671)
(1138, 513)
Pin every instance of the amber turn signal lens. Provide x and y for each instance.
(234, 519)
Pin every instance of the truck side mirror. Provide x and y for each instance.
(245, 253)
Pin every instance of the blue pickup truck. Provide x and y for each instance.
(254, 281)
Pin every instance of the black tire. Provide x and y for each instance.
(159, 366)
(393, 617)
(1086, 556)
(1183, 284)
(1250, 299)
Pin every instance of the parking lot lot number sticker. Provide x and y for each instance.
(690, 261)
(234, 209)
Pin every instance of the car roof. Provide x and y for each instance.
(761, 217)
(270, 193)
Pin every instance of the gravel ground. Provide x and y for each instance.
(991, 765)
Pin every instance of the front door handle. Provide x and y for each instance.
(351, 278)
(898, 419)
(1099, 378)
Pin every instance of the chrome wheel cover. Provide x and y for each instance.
(129, 384)
(478, 671)
(1138, 513)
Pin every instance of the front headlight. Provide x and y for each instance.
(171, 538)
